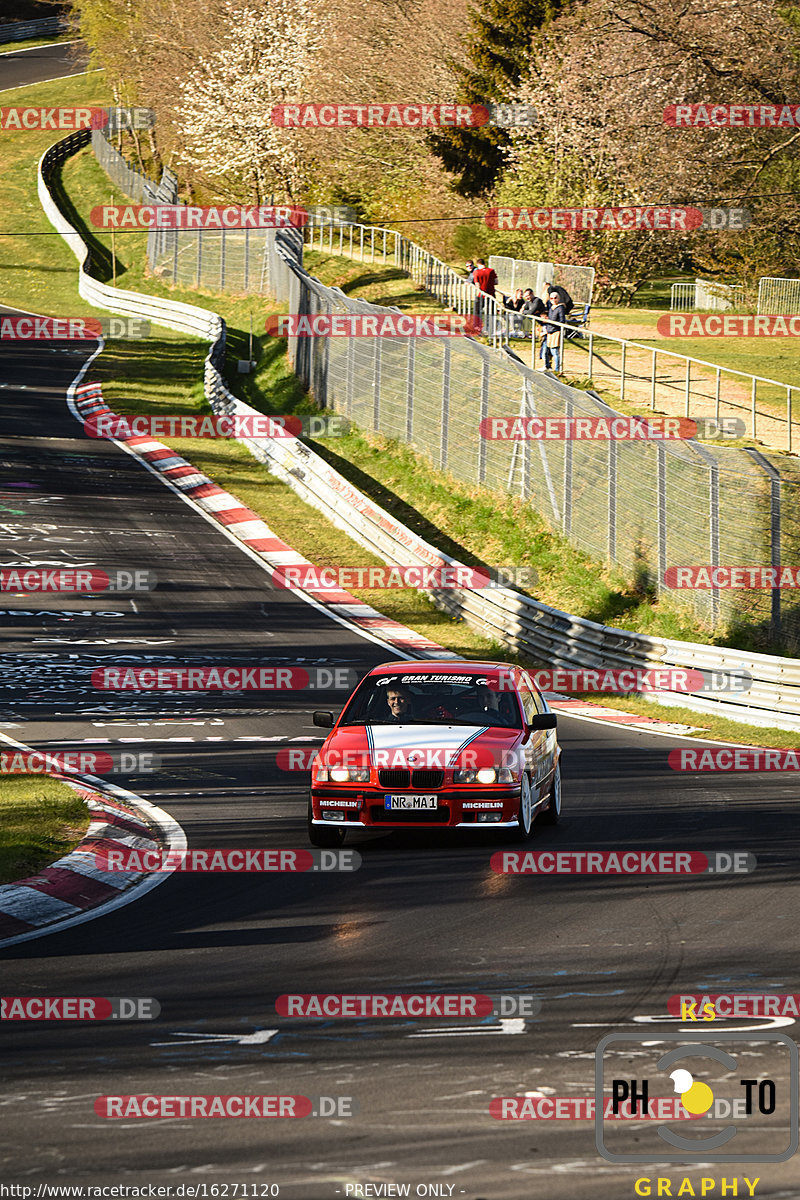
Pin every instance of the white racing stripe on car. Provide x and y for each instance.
(423, 737)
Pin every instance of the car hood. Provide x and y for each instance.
(437, 745)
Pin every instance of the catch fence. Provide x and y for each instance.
(643, 505)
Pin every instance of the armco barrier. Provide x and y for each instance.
(523, 625)
(19, 31)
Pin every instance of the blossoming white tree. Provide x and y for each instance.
(225, 113)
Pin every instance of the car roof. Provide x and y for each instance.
(442, 666)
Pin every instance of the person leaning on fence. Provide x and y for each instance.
(514, 304)
(551, 343)
(469, 266)
(485, 279)
(532, 306)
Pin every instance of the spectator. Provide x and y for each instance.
(532, 307)
(470, 268)
(514, 305)
(516, 302)
(563, 295)
(551, 344)
(485, 279)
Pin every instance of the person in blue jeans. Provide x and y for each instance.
(552, 353)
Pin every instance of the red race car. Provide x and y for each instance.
(457, 744)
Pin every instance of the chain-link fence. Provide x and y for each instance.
(513, 273)
(643, 505)
(779, 297)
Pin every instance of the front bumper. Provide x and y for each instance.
(364, 808)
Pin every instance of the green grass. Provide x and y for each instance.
(41, 819)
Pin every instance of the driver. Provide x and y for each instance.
(398, 700)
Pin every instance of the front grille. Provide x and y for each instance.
(427, 779)
(399, 777)
(404, 816)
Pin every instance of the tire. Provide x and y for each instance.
(324, 837)
(525, 815)
(552, 813)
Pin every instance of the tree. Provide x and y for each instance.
(498, 54)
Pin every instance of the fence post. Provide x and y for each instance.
(199, 271)
(753, 404)
(661, 504)
(713, 519)
(566, 506)
(445, 403)
(774, 533)
(410, 391)
(483, 417)
(175, 260)
(376, 387)
(622, 373)
(653, 383)
(716, 397)
(688, 386)
(612, 500)
(591, 350)
(246, 257)
(789, 418)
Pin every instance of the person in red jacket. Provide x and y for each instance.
(485, 279)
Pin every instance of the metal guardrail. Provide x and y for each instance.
(19, 31)
(523, 625)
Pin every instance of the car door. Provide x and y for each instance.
(542, 743)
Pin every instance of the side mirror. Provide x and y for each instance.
(323, 719)
(547, 720)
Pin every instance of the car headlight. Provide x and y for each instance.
(349, 774)
(486, 775)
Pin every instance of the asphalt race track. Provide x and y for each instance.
(425, 911)
(18, 67)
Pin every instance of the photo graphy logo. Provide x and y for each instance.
(752, 1077)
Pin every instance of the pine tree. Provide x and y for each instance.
(498, 53)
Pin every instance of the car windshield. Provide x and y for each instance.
(407, 699)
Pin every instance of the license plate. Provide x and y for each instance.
(410, 802)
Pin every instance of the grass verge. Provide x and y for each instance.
(41, 819)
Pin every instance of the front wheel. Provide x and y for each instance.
(552, 813)
(324, 837)
(525, 814)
